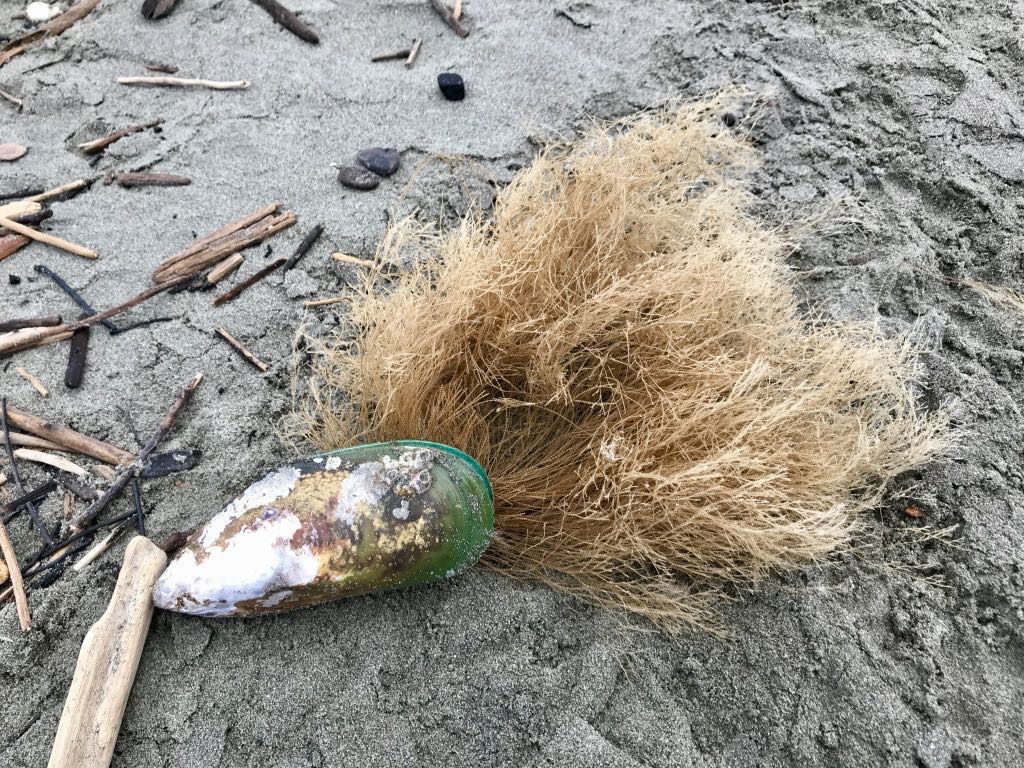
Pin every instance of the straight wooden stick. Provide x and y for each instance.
(67, 438)
(183, 82)
(107, 664)
(42, 237)
(11, 559)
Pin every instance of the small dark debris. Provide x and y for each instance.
(171, 462)
(729, 119)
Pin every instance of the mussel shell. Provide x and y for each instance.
(343, 523)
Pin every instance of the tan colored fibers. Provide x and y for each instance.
(620, 347)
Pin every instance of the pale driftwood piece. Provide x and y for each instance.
(40, 321)
(131, 179)
(393, 56)
(241, 349)
(107, 664)
(37, 385)
(4, 573)
(130, 470)
(413, 53)
(18, 208)
(31, 441)
(3, 478)
(184, 82)
(17, 585)
(12, 98)
(344, 258)
(449, 18)
(324, 302)
(89, 557)
(42, 237)
(54, 27)
(227, 229)
(249, 282)
(40, 457)
(98, 145)
(67, 438)
(225, 268)
(63, 189)
(12, 244)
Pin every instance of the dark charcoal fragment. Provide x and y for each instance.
(452, 86)
(161, 464)
(354, 177)
(76, 358)
(157, 9)
(381, 161)
(14, 279)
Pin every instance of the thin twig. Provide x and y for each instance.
(76, 297)
(20, 598)
(241, 349)
(11, 98)
(37, 385)
(307, 242)
(129, 180)
(140, 513)
(445, 13)
(324, 302)
(183, 82)
(64, 189)
(99, 548)
(42, 237)
(237, 291)
(31, 497)
(413, 53)
(131, 470)
(40, 321)
(344, 258)
(98, 145)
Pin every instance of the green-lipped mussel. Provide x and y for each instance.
(343, 523)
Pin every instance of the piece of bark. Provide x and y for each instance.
(98, 145)
(157, 9)
(289, 20)
(107, 664)
(40, 321)
(67, 438)
(241, 349)
(12, 244)
(54, 27)
(78, 351)
(128, 180)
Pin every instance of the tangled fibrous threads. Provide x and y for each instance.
(620, 347)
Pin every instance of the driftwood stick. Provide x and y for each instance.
(237, 291)
(345, 258)
(307, 242)
(67, 438)
(413, 53)
(457, 10)
(183, 82)
(31, 441)
(11, 98)
(132, 469)
(64, 189)
(225, 268)
(20, 598)
(449, 18)
(393, 56)
(37, 385)
(324, 302)
(16, 324)
(78, 352)
(19, 208)
(107, 663)
(31, 454)
(129, 180)
(42, 237)
(289, 20)
(228, 229)
(241, 349)
(55, 26)
(98, 145)
(12, 244)
(89, 557)
(76, 297)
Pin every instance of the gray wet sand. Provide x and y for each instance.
(908, 654)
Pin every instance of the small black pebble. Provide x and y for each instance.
(452, 86)
(14, 280)
(729, 119)
(354, 177)
(381, 161)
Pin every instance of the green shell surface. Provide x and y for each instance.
(343, 523)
